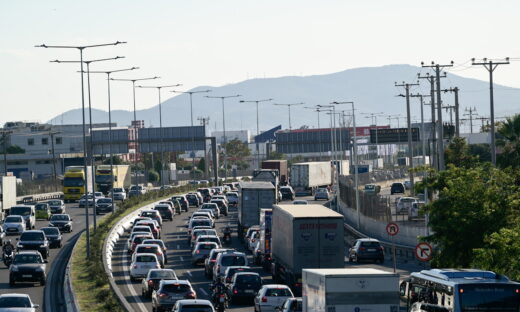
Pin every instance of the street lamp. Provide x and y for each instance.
(224, 126)
(135, 116)
(81, 48)
(257, 126)
(110, 125)
(289, 107)
(91, 154)
(373, 121)
(317, 110)
(160, 122)
(332, 110)
(192, 131)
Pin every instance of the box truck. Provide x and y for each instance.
(120, 173)
(305, 236)
(76, 181)
(253, 196)
(280, 165)
(347, 290)
(307, 177)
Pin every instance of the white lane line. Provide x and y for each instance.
(202, 290)
(129, 285)
(182, 258)
(178, 247)
(189, 273)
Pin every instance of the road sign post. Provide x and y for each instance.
(392, 229)
(423, 252)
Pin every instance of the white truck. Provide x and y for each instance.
(348, 290)
(308, 176)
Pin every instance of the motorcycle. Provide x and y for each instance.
(221, 304)
(8, 257)
(227, 238)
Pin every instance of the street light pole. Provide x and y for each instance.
(224, 126)
(81, 48)
(136, 139)
(257, 127)
(192, 132)
(161, 134)
(289, 107)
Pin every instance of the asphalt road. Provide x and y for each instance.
(179, 259)
(57, 262)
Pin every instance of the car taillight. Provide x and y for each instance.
(264, 299)
(235, 291)
(135, 266)
(222, 296)
(298, 285)
(381, 248)
(150, 282)
(198, 251)
(191, 295)
(213, 260)
(361, 248)
(163, 295)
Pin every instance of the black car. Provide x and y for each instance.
(222, 206)
(154, 277)
(183, 201)
(27, 266)
(245, 285)
(193, 200)
(53, 236)
(287, 193)
(165, 211)
(367, 249)
(62, 221)
(104, 205)
(34, 240)
(397, 188)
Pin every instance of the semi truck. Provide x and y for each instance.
(253, 196)
(120, 173)
(281, 166)
(266, 225)
(307, 177)
(75, 180)
(305, 236)
(346, 290)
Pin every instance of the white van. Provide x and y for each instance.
(28, 212)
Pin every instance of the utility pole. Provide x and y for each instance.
(456, 107)
(289, 107)
(491, 65)
(471, 112)
(409, 122)
(5, 134)
(204, 121)
(257, 126)
(440, 126)
(54, 174)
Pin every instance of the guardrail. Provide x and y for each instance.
(38, 197)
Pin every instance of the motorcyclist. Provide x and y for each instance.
(227, 233)
(218, 288)
(8, 248)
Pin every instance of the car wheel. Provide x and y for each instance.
(132, 279)
(11, 282)
(154, 309)
(42, 281)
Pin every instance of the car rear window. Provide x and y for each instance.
(176, 288)
(370, 244)
(51, 231)
(206, 246)
(147, 249)
(196, 308)
(139, 239)
(32, 236)
(200, 223)
(232, 260)
(248, 279)
(145, 258)
(162, 274)
(278, 292)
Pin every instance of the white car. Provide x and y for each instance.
(150, 248)
(207, 238)
(190, 305)
(131, 238)
(404, 204)
(232, 198)
(211, 207)
(196, 233)
(119, 193)
(255, 236)
(227, 259)
(270, 297)
(141, 264)
(203, 213)
(14, 225)
(199, 222)
(17, 302)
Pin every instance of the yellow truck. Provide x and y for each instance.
(121, 174)
(75, 179)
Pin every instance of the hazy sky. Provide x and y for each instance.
(219, 42)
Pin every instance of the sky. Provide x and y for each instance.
(214, 43)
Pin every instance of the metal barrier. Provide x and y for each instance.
(38, 197)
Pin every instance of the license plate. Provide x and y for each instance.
(175, 298)
(249, 291)
(371, 249)
(11, 230)
(26, 275)
(222, 299)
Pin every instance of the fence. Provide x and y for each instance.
(38, 187)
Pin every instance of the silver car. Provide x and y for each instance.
(17, 302)
(14, 225)
(119, 193)
(322, 193)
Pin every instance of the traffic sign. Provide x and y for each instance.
(392, 229)
(423, 251)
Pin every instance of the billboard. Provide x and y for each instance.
(393, 135)
(102, 144)
(171, 139)
(311, 141)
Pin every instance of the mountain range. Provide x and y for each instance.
(372, 89)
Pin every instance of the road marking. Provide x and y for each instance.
(178, 247)
(129, 285)
(182, 258)
(189, 273)
(203, 291)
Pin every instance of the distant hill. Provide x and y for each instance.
(371, 88)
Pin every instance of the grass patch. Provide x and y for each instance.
(89, 280)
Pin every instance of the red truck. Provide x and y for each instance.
(280, 165)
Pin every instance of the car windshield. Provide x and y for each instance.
(32, 236)
(54, 203)
(13, 219)
(176, 288)
(145, 258)
(162, 274)
(278, 292)
(20, 211)
(104, 201)
(233, 260)
(407, 200)
(73, 182)
(51, 231)
(60, 218)
(196, 308)
(15, 302)
(27, 258)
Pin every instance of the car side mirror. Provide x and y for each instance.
(45, 261)
(36, 306)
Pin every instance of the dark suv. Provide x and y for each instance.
(183, 201)
(367, 249)
(245, 285)
(27, 266)
(287, 193)
(34, 240)
(397, 187)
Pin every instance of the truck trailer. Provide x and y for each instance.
(266, 226)
(120, 173)
(280, 165)
(253, 196)
(76, 182)
(307, 177)
(305, 236)
(347, 290)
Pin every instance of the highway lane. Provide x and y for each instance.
(179, 259)
(35, 290)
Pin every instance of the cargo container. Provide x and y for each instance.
(120, 174)
(266, 222)
(280, 165)
(305, 236)
(76, 181)
(403, 161)
(253, 196)
(7, 195)
(307, 177)
(342, 166)
(347, 290)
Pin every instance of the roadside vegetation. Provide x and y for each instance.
(89, 280)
